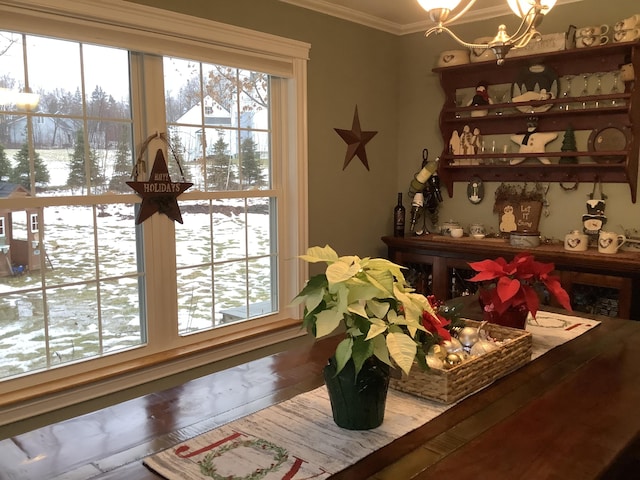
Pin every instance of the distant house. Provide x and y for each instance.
(48, 132)
(214, 115)
(20, 248)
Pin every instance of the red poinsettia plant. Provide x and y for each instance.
(514, 284)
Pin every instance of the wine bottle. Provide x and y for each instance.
(399, 214)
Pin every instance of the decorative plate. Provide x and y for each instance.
(608, 139)
(536, 82)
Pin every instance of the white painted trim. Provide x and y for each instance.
(379, 23)
(137, 27)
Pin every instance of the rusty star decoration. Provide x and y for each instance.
(356, 139)
(159, 193)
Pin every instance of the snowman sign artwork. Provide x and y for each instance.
(532, 142)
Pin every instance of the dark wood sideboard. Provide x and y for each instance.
(597, 283)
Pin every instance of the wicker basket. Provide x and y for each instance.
(448, 386)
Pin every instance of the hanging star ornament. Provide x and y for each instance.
(159, 193)
(356, 139)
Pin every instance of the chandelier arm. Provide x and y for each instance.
(459, 14)
(439, 29)
(530, 21)
(525, 39)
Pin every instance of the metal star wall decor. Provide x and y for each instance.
(159, 193)
(356, 139)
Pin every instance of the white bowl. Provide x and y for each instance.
(478, 236)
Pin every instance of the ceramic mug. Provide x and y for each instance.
(610, 242)
(576, 241)
(583, 42)
(448, 58)
(627, 35)
(593, 31)
(477, 229)
(481, 54)
(627, 23)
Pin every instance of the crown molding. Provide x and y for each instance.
(377, 22)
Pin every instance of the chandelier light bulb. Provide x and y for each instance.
(438, 4)
(522, 7)
(530, 11)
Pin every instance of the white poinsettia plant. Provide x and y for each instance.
(370, 297)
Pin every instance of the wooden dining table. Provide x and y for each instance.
(573, 413)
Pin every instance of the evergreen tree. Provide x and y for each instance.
(220, 175)
(250, 166)
(123, 165)
(569, 145)
(21, 172)
(178, 149)
(5, 165)
(77, 171)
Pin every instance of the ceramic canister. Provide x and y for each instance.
(524, 239)
(576, 241)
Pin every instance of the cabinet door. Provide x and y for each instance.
(599, 294)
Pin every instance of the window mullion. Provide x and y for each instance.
(158, 230)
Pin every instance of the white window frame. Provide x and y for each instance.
(140, 28)
(34, 225)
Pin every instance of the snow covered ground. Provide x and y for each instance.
(74, 298)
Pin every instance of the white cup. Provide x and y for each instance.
(627, 35)
(456, 232)
(449, 58)
(610, 242)
(481, 54)
(593, 31)
(627, 23)
(582, 42)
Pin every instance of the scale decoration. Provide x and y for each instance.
(159, 194)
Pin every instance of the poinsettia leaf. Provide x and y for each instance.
(531, 299)
(377, 327)
(402, 349)
(484, 276)
(343, 353)
(320, 254)
(341, 271)
(358, 308)
(327, 321)
(380, 349)
(507, 288)
(488, 265)
(360, 352)
(555, 288)
(379, 309)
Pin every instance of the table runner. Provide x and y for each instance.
(297, 439)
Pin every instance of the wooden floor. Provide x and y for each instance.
(110, 443)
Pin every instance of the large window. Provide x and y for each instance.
(84, 290)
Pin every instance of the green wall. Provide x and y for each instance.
(389, 77)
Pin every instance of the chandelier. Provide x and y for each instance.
(444, 12)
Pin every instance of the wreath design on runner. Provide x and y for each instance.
(280, 456)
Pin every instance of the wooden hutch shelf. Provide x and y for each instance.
(589, 113)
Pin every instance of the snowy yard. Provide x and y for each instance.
(74, 298)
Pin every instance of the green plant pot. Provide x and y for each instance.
(358, 404)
